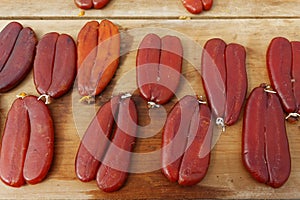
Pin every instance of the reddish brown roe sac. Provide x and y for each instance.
(186, 142)
(265, 147)
(224, 78)
(98, 56)
(283, 66)
(95, 141)
(55, 64)
(17, 50)
(88, 4)
(105, 150)
(158, 67)
(197, 6)
(27, 143)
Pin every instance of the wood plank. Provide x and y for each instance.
(156, 9)
(226, 178)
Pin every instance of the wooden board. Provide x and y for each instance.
(226, 178)
(145, 9)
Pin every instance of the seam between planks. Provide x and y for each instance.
(145, 17)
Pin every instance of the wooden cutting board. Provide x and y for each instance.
(250, 23)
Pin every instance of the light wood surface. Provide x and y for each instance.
(250, 23)
(150, 9)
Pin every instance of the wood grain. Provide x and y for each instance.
(226, 178)
(143, 9)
